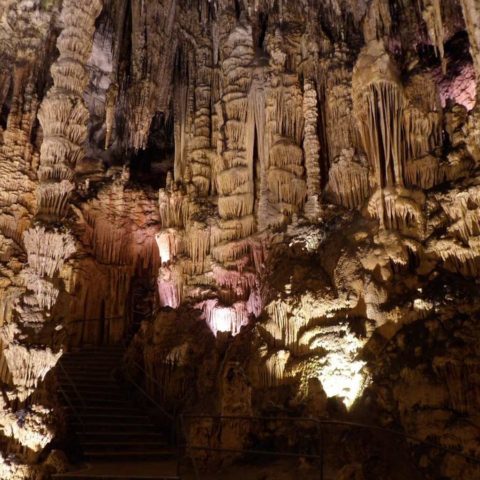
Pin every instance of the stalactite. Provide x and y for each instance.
(432, 14)
(339, 122)
(227, 230)
(169, 243)
(422, 117)
(231, 251)
(273, 371)
(378, 107)
(471, 14)
(425, 172)
(459, 377)
(282, 184)
(200, 145)
(197, 245)
(110, 105)
(240, 282)
(47, 250)
(148, 83)
(170, 286)
(27, 366)
(349, 180)
(235, 206)
(400, 208)
(458, 258)
(175, 207)
(235, 177)
(45, 293)
(222, 318)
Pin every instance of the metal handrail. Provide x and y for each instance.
(321, 421)
(72, 383)
(77, 393)
(147, 375)
(87, 320)
(318, 422)
(171, 417)
(150, 398)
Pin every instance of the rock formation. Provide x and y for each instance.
(275, 204)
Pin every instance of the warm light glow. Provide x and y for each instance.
(13, 471)
(341, 374)
(343, 379)
(222, 319)
(164, 245)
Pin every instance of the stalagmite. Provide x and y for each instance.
(311, 147)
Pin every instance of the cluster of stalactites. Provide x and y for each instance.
(378, 102)
(285, 187)
(399, 126)
(349, 183)
(194, 96)
(147, 85)
(175, 207)
(422, 117)
(209, 252)
(63, 114)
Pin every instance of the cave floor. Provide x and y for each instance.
(123, 470)
(281, 470)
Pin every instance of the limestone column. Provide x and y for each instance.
(63, 117)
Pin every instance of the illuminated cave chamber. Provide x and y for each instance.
(254, 207)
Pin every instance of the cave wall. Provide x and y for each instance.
(316, 231)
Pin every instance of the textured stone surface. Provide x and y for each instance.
(292, 188)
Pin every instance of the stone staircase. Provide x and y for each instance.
(117, 439)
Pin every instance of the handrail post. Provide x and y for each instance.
(322, 450)
(176, 432)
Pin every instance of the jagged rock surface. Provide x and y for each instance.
(293, 188)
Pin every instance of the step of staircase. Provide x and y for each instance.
(105, 476)
(122, 436)
(106, 426)
(109, 427)
(112, 420)
(103, 389)
(151, 454)
(126, 444)
(105, 409)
